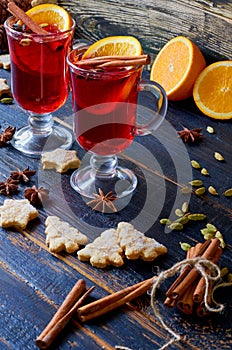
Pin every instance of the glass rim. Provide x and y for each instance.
(92, 72)
(35, 35)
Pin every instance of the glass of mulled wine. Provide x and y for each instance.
(105, 104)
(40, 85)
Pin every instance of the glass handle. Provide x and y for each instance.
(157, 110)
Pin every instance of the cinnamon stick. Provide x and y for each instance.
(201, 310)
(170, 302)
(125, 63)
(193, 273)
(186, 303)
(48, 339)
(200, 288)
(113, 301)
(20, 14)
(193, 252)
(67, 304)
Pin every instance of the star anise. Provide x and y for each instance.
(22, 175)
(103, 201)
(36, 195)
(7, 135)
(6, 188)
(192, 135)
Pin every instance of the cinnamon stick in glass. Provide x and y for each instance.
(20, 14)
(114, 61)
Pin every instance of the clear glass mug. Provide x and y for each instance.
(105, 104)
(40, 85)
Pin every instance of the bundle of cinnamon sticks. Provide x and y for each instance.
(187, 291)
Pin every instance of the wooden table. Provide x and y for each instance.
(34, 282)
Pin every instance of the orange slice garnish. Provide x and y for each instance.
(51, 14)
(114, 45)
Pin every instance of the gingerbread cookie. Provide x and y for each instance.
(5, 61)
(16, 213)
(109, 248)
(61, 160)
(136, 245)
(62, 236)
(104, 250)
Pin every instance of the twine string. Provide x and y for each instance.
(208, 270)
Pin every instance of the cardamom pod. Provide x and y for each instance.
(186, 190)
(185, 207)
(176, 226)
(42, 25)
(211, 228)
(228, 193)
(205, 231)
(196, 183)
(178, 212)
(199, 191)
(7, 100)
(229, 278)
(204, 171)
(210, 129)
(195, 164)
(220, 237)
(25, 42)
(212, 191)
(165, 221)
(183, 220)
(224, 271)
(218, 156)
(196, 217)
(208, 235)
(185, 246)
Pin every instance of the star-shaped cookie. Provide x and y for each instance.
(4, 88)
(62, 236)
(5, 61)
(16, 213)
(61, 160)
(104, 250)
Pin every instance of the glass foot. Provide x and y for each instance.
(87, 182)
(34, 144)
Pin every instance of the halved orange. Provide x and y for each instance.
(177, 66)
(212, 91)
(51, 14)
(114, 45)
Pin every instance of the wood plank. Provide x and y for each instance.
(208, 24)
(36, 281)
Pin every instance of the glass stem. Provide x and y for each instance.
(104, 166)
(41, 123)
